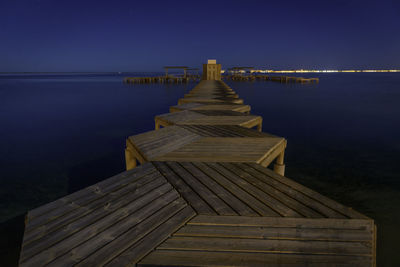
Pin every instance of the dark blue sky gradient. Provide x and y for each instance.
(48, 35)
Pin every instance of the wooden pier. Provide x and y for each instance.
(204, 190)
(241, 78)
(216, 106)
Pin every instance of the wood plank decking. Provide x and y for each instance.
(266, 241)
(204, 143)
(188, 117)
(222, 106)
(201, 196)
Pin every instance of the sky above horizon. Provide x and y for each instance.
(120, 35)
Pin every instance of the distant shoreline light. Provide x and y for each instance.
(309, 71)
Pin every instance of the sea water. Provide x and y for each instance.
(62, 132)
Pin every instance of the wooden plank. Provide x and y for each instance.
(270, 201)
(204, 100)
(230, 99)
(211, 94)
(220, 130)
(248, 121)
(204, 192)
(223, 149)
(94, 209)
(161, 141)
(234, 107)
(199, 130)
(108, 184)
(211, 258)
(221, 192)
(288, 201)
(273, 154)
(219, 113)
(164, 144)
(267, 246)
(301, 223)
(293, 193)
(209, 131)
(147, 138)
(349, 212)
(289, 233)
(153, 239)
(243, 131)
(90, 194)
(184, 189)
(246, 198)
(187, 106)
(104, 247)
(48, 252)
(246, 132)
(179, 117)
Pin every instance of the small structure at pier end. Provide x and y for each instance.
(211, 70)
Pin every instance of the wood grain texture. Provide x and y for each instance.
(206, 100)
(212, 258)
(223, 149)
(260, 241)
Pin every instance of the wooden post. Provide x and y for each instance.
(130, 160)
(259, 126)
(279, 166)
(157, 125)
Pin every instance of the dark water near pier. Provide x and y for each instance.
(60, 133)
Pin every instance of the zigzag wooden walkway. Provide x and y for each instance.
(202, 195)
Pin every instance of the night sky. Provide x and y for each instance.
(65, 35)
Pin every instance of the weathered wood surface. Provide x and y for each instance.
(225, 131)
(97, 224)
(121, 220)
(260, 189)
(205, 85)
(212, 94)
(227, 149)
(205, 143)
(209, 100)
(196, 118)
(222, 106)
(260, 241)
(151, 144)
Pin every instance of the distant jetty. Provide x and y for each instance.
(161, 79)
(235, 77)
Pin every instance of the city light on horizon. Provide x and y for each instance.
(313, 71)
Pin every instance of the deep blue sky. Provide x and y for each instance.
(61, 35)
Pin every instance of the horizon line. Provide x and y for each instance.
(222, 71)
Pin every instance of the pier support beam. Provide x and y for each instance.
(259, 126)
(130, 160)
(279, 166)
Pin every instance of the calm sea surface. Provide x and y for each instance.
(60, 133)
